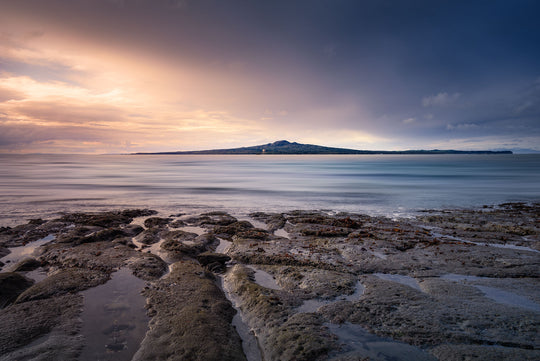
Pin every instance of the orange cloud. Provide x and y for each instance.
(80, 94)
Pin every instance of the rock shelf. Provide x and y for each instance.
(305, 285)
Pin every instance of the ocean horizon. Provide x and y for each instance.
(34, 186)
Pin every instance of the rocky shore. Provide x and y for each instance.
(307, 285)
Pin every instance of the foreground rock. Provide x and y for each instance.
(191, 318)
(448, 285)
(437, 282)
(41, 329)
(282, 335)
(11, 286)
(42, 319)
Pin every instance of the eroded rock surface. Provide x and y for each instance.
(449, 285)
(191, 318)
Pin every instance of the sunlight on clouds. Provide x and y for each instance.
(54, 91)
(82, 96)
(126, 97)
(348, 138)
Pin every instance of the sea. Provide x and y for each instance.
(44, 186)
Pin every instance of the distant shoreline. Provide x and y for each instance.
(284, 147)
(407, 152)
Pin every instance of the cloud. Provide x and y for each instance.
(461, 126)
(10, 94)
(55, 112)
(22, 136)
(441, 99)
(408, 120)
(202, 76)
(330, 50)
(486, 143)
(524, 106)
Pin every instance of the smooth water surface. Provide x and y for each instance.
(359, 344)
(313, 305)
(404, 280)
(496, 294)
(114, 318)
(41, 185)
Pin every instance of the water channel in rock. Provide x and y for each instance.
(265, 279)
(357, 343)
(114, 318)
(496, 294)
(18, 253)
(404, 280)
(309, 306)
(250, 344)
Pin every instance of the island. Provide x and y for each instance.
(286, 147)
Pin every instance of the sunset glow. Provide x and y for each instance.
(129, 76)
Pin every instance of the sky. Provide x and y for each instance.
(121, 76)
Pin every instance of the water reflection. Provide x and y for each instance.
(358, 344)
(114, 318)
(18, 253)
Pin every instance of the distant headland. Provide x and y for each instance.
(286, 147)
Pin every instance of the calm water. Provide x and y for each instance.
(42, 185)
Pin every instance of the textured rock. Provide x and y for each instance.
(11, 286)
(26, 264)
(156, 222)
(26, 322)
(148, 267)
(425, 282)
(191, 319)
(214, 262)
(63, 282)
(281, 334)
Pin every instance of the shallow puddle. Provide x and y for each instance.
(254, 222)
(380, 255)
(37, 275)
(223, 245)
(19, 253)
(404, 280)
(139, 221)
(355, 296)
(310, 306)
(507, 246)
(282, 233)
(250, 344)
(156, 249)
(114, 318)
(495, 245)
(358, 343)
(457, 278)
(509, 298)
(194, 229)
(496, 294)
(265, 279)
